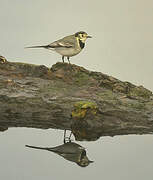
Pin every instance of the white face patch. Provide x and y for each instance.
(83, 37)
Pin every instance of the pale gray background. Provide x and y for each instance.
(122, 30)
(117, 158)
(122, 46)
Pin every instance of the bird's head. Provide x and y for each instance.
(82, 36)
(83, 161)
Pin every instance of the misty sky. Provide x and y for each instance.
(122, 43)
(122, 46)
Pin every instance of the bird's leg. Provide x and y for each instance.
(67, 138)
(68, 58)
(70, 136)
(64, 136)
(63, 58)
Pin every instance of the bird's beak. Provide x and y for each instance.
(91, 161)
(89, 37)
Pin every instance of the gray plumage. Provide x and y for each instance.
(68, 46)
(69, 151)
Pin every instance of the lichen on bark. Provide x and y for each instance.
(70, 97)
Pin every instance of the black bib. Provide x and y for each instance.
(81, 44)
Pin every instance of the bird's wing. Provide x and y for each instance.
(65, 42)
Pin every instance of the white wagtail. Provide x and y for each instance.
(68, 46)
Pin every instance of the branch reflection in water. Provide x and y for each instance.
(69, 150)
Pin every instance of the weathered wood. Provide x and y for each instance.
(65, 96)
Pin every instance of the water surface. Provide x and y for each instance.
(115, 158)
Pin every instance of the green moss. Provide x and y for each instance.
(26, 64)
(81, 78)
(106, 83)
(149, 105)
(81, 108)
(61, 66)
(119, 87)
(107, 95)
(138, 106)
(140, 92)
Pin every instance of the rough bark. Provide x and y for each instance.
(91, 104)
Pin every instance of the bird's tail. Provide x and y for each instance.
(35, 147)
(37, 47)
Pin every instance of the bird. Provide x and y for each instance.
(68, 46)
(70, 151)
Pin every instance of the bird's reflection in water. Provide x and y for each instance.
(70, 151)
